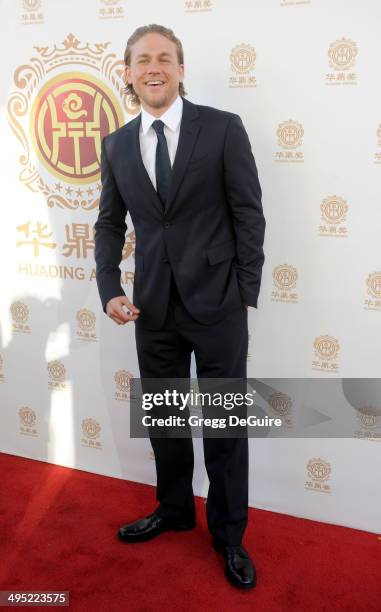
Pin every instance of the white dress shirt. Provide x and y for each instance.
(148, 139)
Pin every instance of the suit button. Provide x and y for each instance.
(167, 225)
(165, 260)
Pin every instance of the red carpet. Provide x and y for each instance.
(57, 532)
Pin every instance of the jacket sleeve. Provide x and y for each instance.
(110, 229)
(245, 200)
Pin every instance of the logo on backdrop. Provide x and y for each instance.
(290, 134)
(281, 406)
(326, 352)
(57, 376)
(333, 214)
(60, 120)
(91, 431)
(70, 115)
(28, 422)
(373, 283)
(342, 57)
(86, 320)
(369, 424)
(32, 14)
(122, 380)
(110, 9)
(318, 474)
(242, 64)
(20, 317)
(284, 277)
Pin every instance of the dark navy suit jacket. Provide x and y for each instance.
(210, 234)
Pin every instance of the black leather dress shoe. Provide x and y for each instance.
(239, 568)
(151, 526)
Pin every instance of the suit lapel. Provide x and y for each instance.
(189, 130)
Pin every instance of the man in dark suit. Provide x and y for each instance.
(187, 175)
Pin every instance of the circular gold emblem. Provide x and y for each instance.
(70, 116)
(369, 417)
(318, 469)
(290, 134)
(27, 416)
(280, 403)
(285, 276)
(342, 54)
(326, 347)
(334, 209)
(86, 319)
(91, 428)
(20, 312)
(122, 379)
(56, 370)
(242, 58)
(374, 284)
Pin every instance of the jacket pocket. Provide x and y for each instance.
(221, 252)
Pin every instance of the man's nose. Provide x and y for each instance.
(153, 67)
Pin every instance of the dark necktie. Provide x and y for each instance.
(163, 163)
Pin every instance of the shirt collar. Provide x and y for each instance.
(171, 118)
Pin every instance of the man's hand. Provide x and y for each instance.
(121, 310)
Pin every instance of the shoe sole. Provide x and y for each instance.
(147, 537)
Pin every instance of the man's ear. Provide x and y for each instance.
(126, 74)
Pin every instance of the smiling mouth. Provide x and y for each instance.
(154, 84)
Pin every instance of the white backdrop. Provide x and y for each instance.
(304, 77)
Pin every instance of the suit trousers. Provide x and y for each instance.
(220, 352)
